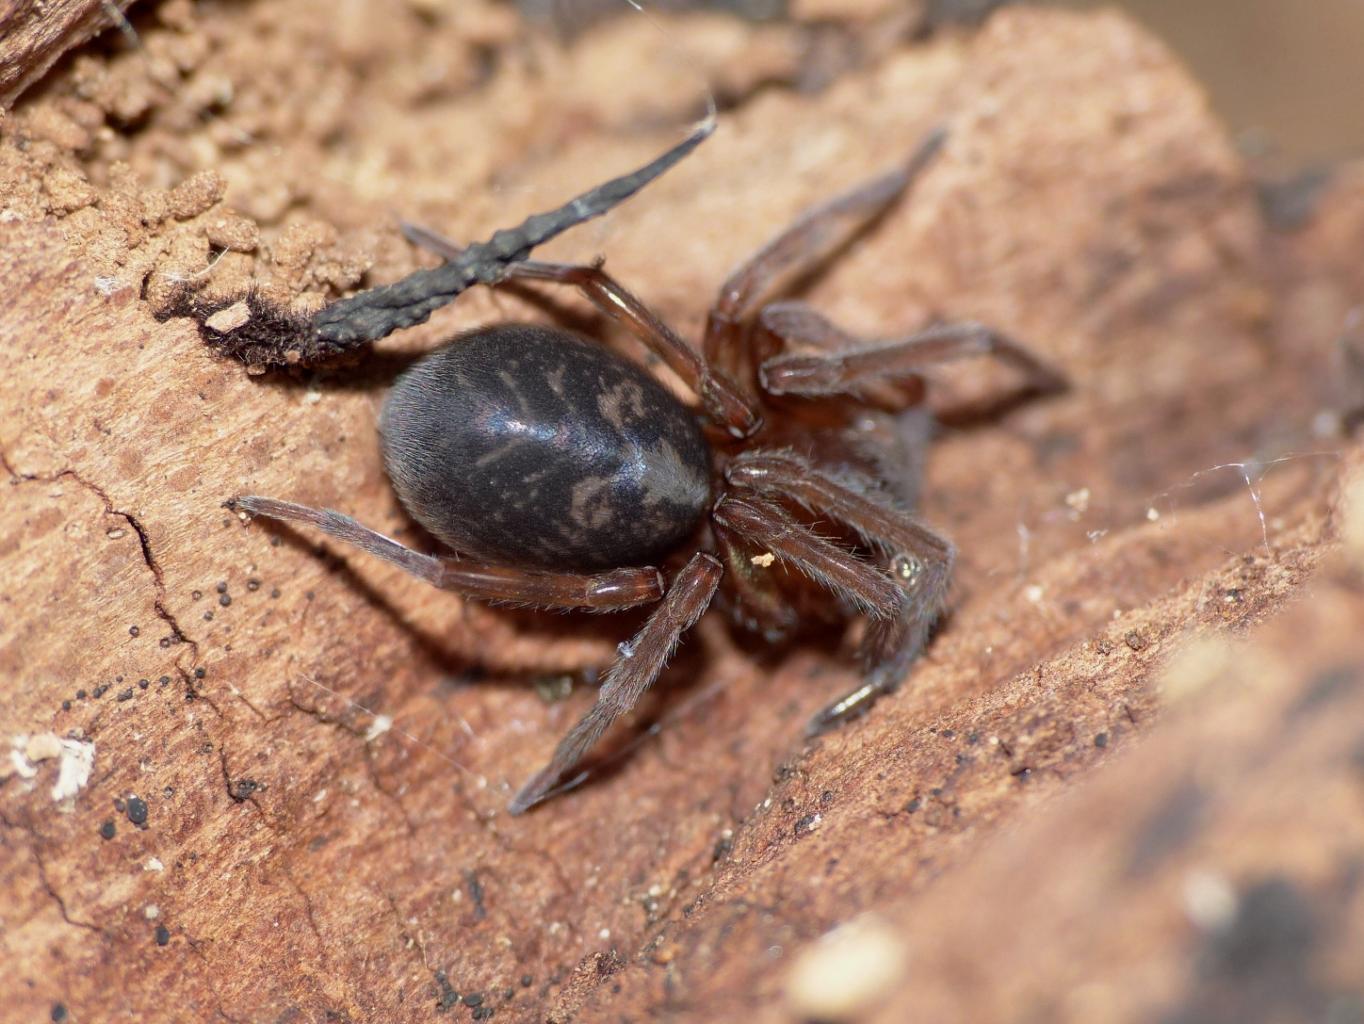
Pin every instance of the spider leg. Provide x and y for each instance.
(852, 371)
(640, 662)
(758, 602)
(763, 523)
(920, 565)
(606, 591)
(721, 401)
(796, 329)
(802, 246)
(430, 240)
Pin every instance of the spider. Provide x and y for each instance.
(563, 475)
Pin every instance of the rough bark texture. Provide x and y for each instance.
(36, 34)
(1093, 799)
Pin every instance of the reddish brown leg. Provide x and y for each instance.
(759, 604)
(640, 662)
(788, 330)
(606, 591)
(920, 563)
(759, 521)
(845, 372)
(802, 246)
(720, 399)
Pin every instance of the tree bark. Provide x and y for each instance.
(302, 758)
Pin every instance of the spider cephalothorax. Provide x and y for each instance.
(560, 474)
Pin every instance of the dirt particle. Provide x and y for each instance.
(913, 805)
(222, 587)
(164, 680)
(527, 981)
(225, 600)
(134, 631)
(125, 695)
(194, 595)
(162, 935)
(107, 830)
(1101, 740)
(234, 232)
(58, 1013)
(242, 789)
(200, 672)
(196, 194)
(806, 825)
(846, 972)
(80, 695)
(1135, 640)
(137, 811)
(253, 584)
(448, 996)
(144, 683)
(723, 847)
(476, 895)
(473, 999)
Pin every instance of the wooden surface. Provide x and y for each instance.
(34, 35)
(326, 764)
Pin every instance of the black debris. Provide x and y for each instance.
(106, 830)
(243, 788)
(137, 811)
(275, 336)
(448, 996)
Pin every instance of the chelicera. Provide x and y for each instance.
(560, 474)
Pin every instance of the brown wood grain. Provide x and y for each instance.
(34, 35)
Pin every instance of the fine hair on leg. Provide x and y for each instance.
(639, 663)
(613, 590)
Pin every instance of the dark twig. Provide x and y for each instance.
(253, 330)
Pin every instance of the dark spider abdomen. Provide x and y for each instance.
(531, 446)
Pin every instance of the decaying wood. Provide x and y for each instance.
(34, 35)
(1087, 801)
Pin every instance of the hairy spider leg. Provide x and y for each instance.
(721, 401)
(813, 238)
(637, 666)
(765, 524)
(919, 564)
(849, 372)
(606, 591)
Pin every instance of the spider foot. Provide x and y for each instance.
(851, 705)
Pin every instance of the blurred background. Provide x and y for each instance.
(1283, 74)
